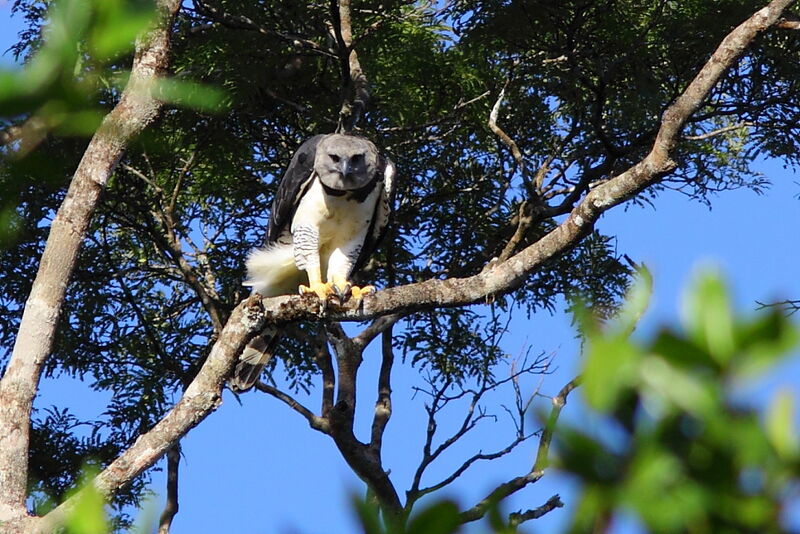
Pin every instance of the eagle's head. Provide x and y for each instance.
(345, 162)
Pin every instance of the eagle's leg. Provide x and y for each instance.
(340, 265)
(306, 257)
(316, 285)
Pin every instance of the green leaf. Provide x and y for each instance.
(680, 351)
(672, 387)
(636, 302)
(763, 341)
(88, 516)
(190, 94)
(707, 316)
(611, 366)
(780, 425)
(440, 518)
(118, 22)
(369, 515)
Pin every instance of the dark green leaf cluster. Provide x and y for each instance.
(687, 452)
(71, 446)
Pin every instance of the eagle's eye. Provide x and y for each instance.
(335, 158)
(357, 158)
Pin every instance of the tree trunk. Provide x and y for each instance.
(136, 109)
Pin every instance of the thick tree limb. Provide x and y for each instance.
(364, 460)
(135, 110)
(202, 397)
(383, 406)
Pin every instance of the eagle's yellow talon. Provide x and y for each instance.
(360, 292)
(323, 291)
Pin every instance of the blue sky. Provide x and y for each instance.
(258, 468)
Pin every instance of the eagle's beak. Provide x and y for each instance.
(345, 168)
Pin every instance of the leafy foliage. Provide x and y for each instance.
(688, 453)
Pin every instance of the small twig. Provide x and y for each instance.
(720, 131)
(510, 143)
(315, 422)
(517, 518)
(516, 484)
(789, 306)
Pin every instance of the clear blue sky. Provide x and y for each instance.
(258, 468)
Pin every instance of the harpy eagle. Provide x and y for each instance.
(330, 212)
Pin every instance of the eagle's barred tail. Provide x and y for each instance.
(251, 363)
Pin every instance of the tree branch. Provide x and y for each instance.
(517, 518)
(203, 396)
(383, 406)
(720, 131)
(171, 507)
(472, 417)
(355, 87)
(536, 473)
(317, 423)
(136, 109)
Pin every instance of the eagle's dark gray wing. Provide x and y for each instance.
(293, 186)
(383, 209)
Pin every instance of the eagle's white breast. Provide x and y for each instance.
(339, 219)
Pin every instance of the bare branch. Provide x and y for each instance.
(536, 473)
(720, 131)
(383, 406)
(510, 143)
(325, 363)
(474, 414)
(517, 518)
(315, 422)
(136, 109)
(789, 22)
(466, 465)
(790, 307)
(376, 328)
(171, 507)
(363, 459)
